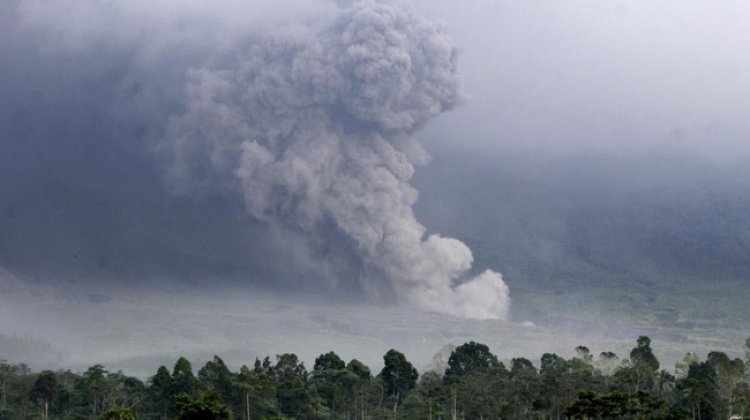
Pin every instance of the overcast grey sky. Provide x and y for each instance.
(91, 87)
(94, 96)
(609, 75)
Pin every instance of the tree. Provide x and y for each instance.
(471, 357)
(160, 391)
(553, 365)
(643, 366)
(328, 362)
(183, 380)
(484, 389)
(681, 368)
(606, 366)
(358, 368)
(90, 390)
(292, 395)
(258, 386)
(590, 404)
(428, 398)
(556, 384)
(333, 382)
(362, 381)
(44, 391)
(216, 376)
(643, 355)
(123, 391)
(398, 375)
(584, 354)
(729, 373)
(741, 399)
(525, 387)
(698, 390)
(5, 372)
(469, 366)
(582, 366)
(480, 395)
(207, 406)
(117, 413)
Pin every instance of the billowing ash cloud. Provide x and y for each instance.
(315, 129)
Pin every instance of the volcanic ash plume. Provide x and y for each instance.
(315, 128)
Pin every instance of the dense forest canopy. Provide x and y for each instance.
(472, 384)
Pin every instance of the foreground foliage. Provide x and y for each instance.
(473, 385)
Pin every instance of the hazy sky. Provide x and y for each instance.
(610, 75)
(97, 99)
(91, 90)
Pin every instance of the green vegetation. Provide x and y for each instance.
(473, 385)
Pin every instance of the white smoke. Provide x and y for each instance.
(316, 129)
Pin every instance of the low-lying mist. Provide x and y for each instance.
(137, 331)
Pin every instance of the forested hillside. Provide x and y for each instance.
(472, 383)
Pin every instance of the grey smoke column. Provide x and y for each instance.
(315, 128)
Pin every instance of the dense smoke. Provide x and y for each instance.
(315, 128)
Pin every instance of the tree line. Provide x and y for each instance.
(473, 385)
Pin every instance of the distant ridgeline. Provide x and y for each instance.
(27, 348)
(471, 384)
